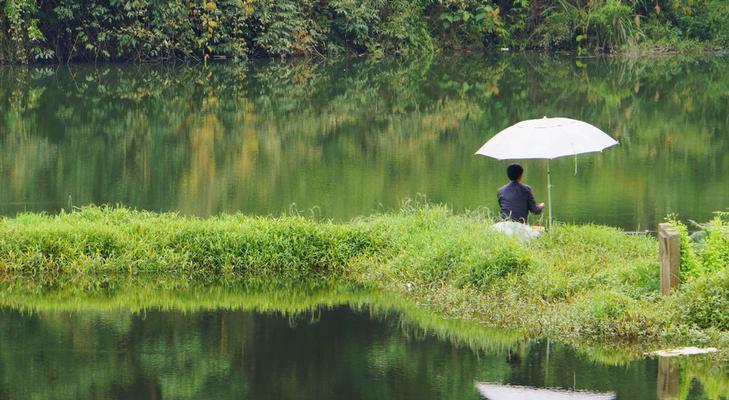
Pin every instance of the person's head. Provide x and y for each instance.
(514, 172)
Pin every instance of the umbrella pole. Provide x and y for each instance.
(549, 193)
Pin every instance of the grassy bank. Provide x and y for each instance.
(584, 284)
(144, 31)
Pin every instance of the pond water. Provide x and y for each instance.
(340, 139)
(329, 353)
(349, 137)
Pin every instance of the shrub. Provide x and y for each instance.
(468, 24)
(613, 314)
(707, 250)
(690, 266)
(20, 36)
(559, 27)
(704, 293)
(714, 252)
(168, 30)
(610, 24)
(705, 300)
(702, 19)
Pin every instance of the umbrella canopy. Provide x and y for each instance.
(546, 138)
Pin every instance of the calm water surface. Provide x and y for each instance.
(350, 137)
(340, 139)
(329, 354)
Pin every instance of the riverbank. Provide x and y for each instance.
(32, 31)
(584, 284)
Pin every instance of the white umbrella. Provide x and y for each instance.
(546, 138)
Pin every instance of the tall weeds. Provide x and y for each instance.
(579, 282)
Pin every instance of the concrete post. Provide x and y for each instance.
(669, 244)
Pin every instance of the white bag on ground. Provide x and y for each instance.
(517, 230)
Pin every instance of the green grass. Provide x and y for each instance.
(583, 284)
(97, 249)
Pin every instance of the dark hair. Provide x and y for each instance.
(514, 171)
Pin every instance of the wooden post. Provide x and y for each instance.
(669, 244)
(668, 380)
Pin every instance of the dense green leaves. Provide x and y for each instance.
(705, 300)
(145, 30)
(703, 296)
(705, 251)
(128, 30)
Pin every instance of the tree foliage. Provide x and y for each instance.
(165, 30)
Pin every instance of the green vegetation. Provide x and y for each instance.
(582, 283)
(158, 31)
(268, 134)
(704, 261)
(95, 249)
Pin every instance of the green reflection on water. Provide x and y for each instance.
(295, 343)
(351, 136)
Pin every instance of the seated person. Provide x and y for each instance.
(516, 199)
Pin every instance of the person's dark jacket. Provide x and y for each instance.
(516, 201)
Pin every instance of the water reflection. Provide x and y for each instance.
(496, 391)
(355, 136)
(324, 354)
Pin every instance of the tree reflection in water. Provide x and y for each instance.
(351, 136)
